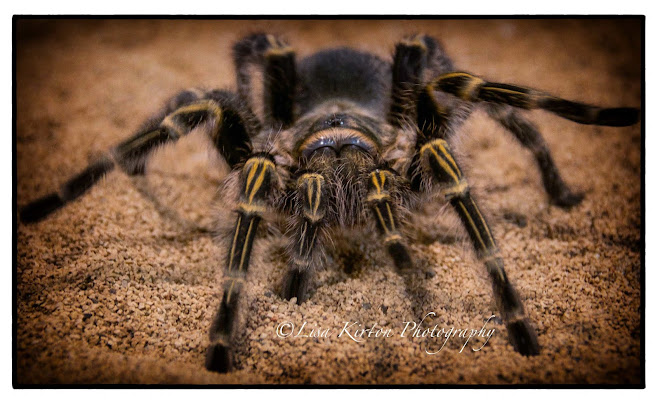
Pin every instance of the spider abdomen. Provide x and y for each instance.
(343, 73)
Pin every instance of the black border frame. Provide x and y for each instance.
(642, 18)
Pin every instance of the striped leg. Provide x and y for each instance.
(530, 137)
(436, 158)
(258, 177)
(474, 89)
(311, 195)
(277, 60)
(231, 122)
(42, 207)
(380, 185)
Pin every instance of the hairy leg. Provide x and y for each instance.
(258, 178)
(475, 89)
(276, 60)
(529, 136)
(381, 185)
(311, 200)
(231, 125)
(438, 162)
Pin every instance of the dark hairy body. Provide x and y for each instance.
(346, 139)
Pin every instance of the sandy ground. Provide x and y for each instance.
(111, 290)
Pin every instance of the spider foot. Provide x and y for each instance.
(523, 338)
(566, 198)
(219, 358)
(41, 208)
(295, 285)
(400, 255)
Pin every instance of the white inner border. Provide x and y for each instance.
(436, 7)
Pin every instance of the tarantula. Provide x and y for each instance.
(345, 136)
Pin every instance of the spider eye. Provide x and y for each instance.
(324, 146)
(328, 151)
(355, 143)
(351, 150)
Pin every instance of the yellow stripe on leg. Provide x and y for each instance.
(252, 165)
(381, 219)
(233, 245)
(429, 147)
(483, 221)
(389, 213)
(473, 225)
(417, 41)
(444, 148)
(313, 182)
(245, 243)
(453, 75)
(302, 239)
(457, 190)
(258, 182)
(143, 139)
(468, 92)
(251, 209)
(207, 106)
(392, 238)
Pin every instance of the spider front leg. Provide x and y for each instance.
(413, 56)
(277, 61)
(437, 162)
(258, 179)
(230, 122)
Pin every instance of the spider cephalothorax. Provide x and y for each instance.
(345, 138)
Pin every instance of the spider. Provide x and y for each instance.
(346, 139)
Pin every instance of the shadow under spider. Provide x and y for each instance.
(141, 184)
(351, 261)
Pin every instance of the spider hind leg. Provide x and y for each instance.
(442, 119)
(529, 137)
(475, 89)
